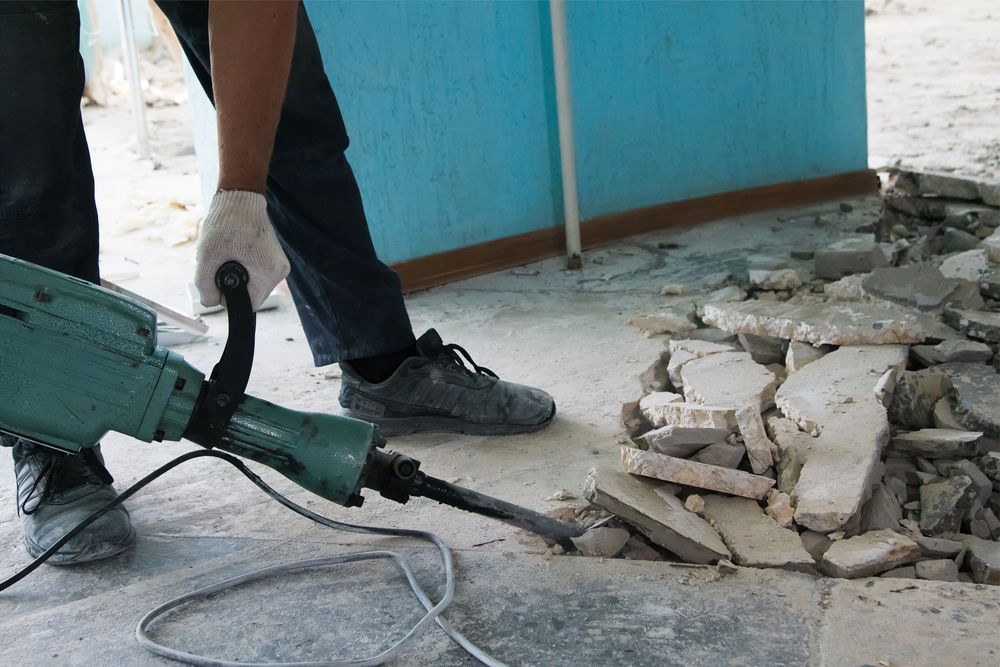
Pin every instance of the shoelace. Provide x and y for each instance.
(458, 354)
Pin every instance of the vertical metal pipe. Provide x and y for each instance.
(130, 56)
(567, 152)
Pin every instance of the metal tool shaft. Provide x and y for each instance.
(515, 515)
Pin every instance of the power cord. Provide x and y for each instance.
(434, 611)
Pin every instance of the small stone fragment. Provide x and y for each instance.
(655, 378)
(722, 453)
(915, 395)
(936, 443)
(691, 473)
(754, 539)
(886, 387)
(673, 289)
(944, 503)
(661, 518)
(695, 503)
(857, 254)
(779, 507)
(991, 244)
(758, 445)
(869, 554)
(976, 396)
(631, 419)
(957, 240)
(777, 279)
(603, 542)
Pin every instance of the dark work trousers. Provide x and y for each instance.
(349, 302)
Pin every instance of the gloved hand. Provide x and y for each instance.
(237, 228)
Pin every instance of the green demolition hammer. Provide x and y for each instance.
(78, 361)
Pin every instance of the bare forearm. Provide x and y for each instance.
(251, 49)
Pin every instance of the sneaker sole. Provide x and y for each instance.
(396, 426)
(89, 555)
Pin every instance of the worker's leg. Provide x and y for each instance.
(349, 302)
(48, 216)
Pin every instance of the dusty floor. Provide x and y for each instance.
(564, 331)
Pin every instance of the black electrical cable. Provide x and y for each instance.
(433, 610)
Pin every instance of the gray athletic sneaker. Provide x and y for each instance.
(435, 391)
(55, 492)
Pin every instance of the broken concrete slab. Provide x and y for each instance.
(652, 406)
(764, 349)
(602, 542)
(937, 443)
(951, 351)
(692, 473)
(976, 396)
(695, 415)
(758, 445)
(915, 395)
(980, 324)
(840, 323)
(754, 538)
(728, 379)
(680, 441)
(941, 569)
(937, 185)
(854, 254)
(833, 399)
(848, 288)
(983, 558)
(799, 354)
(683, 351)
(938, 547)
(983, 484)
(663, 521)
(722, 453)
(970, 265)
(869, 554)
(944, 503)
(918, 285)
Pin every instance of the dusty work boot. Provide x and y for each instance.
(436, 391)
(55, 492)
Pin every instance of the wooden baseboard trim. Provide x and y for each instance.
(441, 268)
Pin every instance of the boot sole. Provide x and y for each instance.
(396, 426)
(88, 555)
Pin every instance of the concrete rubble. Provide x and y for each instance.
(835, 411)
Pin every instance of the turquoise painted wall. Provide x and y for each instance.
(451, 107)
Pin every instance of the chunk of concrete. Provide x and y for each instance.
(937, 443)
(937, 185)
(637, 549)
(655, 378)
(953, 350)
(971, 265)
(779, 507)
(918, 285)
(631, 419)
(833, 399)
(755, 439)
(729, 379)
(794, 447)
(991, 244)
(680, 441)
(980, 324)
(944, 417)
(918, 207)
(713, 335)
(692, 473)
(958, 240)
(855, 254)
(983, 484)
(695, 415)
(664, 521)
(652, 406)
(939, 547)
(976, 396)
(775, 279)
(722, 453)
(944, 503)
(800, 354)
(869, 554)
(941, 569)
(990, 193)
(754, 538)
(683, 351)
(839, 323)
(983, 558)
(602, 542)
(764, 349)
(915, 395)
(815, 543)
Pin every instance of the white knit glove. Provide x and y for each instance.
(237, 228)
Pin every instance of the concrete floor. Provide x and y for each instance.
(561, 330)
